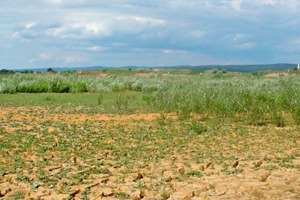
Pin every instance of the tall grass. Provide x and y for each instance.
(73, 83)
(256, 98)
(259, 100)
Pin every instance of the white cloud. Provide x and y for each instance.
(96, 49)
(104, 24)
(94, 28)
(239, 36)
(129, 24)
(141, 20)
(236, 4)
(246, 45)
(291, 5)
(15, 35)
(198, 33)
(55, 32)
(79, 30)
(73, 59)
(42, 57)
(58, 2)
(54, 1)
(171, 51)
(30, 25)
(45, 56)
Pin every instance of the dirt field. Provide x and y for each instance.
(63, 154)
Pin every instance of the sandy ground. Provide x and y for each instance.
(230, 161)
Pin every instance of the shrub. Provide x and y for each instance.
(32, 86)
(8, 88)
(59, 86)
(79, 87)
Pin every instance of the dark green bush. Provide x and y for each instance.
(79, 87)
(59, 86)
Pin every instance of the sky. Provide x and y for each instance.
(117, 33)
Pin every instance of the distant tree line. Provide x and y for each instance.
(26, 71)
(7, 71)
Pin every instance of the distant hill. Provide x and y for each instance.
(230, 68)
(236, 68)
(64, 69)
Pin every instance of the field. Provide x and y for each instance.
(134, 134)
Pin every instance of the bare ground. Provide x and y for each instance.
(143, 156)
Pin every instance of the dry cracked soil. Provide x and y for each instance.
(65, 153)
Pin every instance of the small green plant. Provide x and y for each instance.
(296, 115)
(140, 185)
(197, 128)
(165, 195)
(48, 98)
(195, 173)
(271, 167)
(17, 195)
(225, 169)
(100, 99)
(22, 178)
(122, 195)
(277, 119)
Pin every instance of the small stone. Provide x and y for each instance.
(235, 164)
(208, 164)
(181, 170)
(107, 192)
(4, 192)
(169, 179)
(258, 164)
(74, 160)
(264, 177)
(138, 177)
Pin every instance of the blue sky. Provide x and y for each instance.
(74, 33)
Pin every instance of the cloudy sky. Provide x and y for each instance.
(73, 33)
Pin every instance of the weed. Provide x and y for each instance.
(122, 195)
(278, 119)
(140, 185)
(48, 98)
(296, 115)
(225, 169)
(197, 128)
(22, 178)
(17, 195)
(100, 99)
(271, 167)
(195, 173)
(165, 195)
